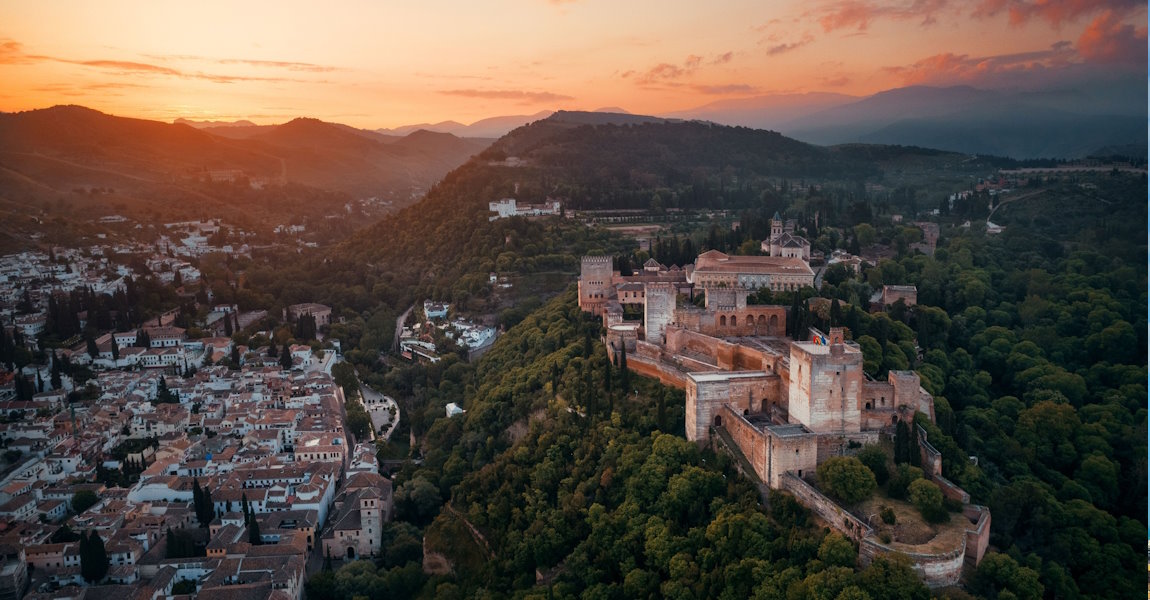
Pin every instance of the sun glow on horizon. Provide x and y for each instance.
(372, 65)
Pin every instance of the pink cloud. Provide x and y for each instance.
(726, 89)
(1055, 12)
(949, 68)
(668, 73)
(524, 98)
(858, 14)
(1108, 40)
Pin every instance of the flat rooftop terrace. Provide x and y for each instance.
(788, 431)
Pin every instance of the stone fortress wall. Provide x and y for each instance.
(786, 405)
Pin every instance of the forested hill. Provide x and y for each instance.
(594, 166)
(1032, 341)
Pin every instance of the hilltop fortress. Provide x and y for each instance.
(781, 406)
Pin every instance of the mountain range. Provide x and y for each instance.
(1070, 122)
(54, 151)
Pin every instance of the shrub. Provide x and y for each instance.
(928, 498)
(900, 482)
(887, 515)
(875, 459)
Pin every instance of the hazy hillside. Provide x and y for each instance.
(1066, 122)
(492, 127)
(49, 152)
(214, 124)
(964, 119)
(612, 157)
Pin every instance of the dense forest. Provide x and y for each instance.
(583, 486)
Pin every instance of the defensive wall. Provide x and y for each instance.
(937, 569)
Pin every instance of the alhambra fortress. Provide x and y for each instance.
(780, 406)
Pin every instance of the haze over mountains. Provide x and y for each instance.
(55, 150)
(1069, 122)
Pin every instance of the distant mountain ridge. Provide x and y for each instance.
(493, 127)
(208, 124)
(58, 149)
(1053, 123)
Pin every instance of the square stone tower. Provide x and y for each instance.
(658, 310)
(594, 283)
(826, 383)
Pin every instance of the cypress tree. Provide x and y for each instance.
(625, 375)
(285, 358)
(54, 378)
(254, 533)
(901, 442)
(209, 506)
(247, 509)
(115, 349)
(914, 456)
(198, 501)
(93, 558)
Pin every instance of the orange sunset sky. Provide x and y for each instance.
(386, 63)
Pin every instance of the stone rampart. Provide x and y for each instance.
(937, 570)
(656, 369)
(827, 509)
(750, 441)
(978, 535)
(931, 458)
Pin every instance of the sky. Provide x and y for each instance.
(384, 63)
